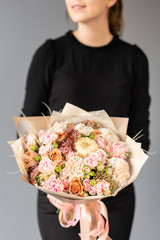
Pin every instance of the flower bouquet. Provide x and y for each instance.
(80, 158)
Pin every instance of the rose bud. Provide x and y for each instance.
(100, 168)
(86, 176)
(109, 170)
(86, 169)
(76, 187)
(33, 174)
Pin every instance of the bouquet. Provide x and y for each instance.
(79, 157)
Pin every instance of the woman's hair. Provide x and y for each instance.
(115, 18)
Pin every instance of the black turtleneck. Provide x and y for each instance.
(113, 77)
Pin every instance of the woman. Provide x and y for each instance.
(94, 69)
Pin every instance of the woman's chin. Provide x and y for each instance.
(78, 19)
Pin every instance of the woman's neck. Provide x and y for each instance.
(94, 33)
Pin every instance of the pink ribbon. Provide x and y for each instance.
(92, 224)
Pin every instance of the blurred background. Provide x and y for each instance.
(24, 26)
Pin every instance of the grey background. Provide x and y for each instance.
(24, 26)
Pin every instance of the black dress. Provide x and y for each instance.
(113, 77)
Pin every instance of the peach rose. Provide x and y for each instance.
(28, 159)
(76, 187)
(61, 137)
(55, 154)
(96, 131)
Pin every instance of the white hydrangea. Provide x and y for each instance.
(121, 171)
(109, 135)
(83, 129)
(59, 127)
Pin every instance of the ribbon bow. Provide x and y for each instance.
(92, 224)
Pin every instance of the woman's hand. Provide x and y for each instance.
(56, 202)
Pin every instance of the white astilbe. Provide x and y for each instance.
(121, 171)
(73, 167)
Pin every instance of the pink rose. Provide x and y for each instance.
(101, 186)
(119, 150)
(45, 149)
(46, 166)
(101, 142)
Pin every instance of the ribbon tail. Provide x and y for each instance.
(104, 212)
(84, 224)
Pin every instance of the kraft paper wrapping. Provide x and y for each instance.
(74, 114)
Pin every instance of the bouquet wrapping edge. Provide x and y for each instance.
(79, 208)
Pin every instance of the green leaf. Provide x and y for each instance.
(82, 135)
(55, 145)
(92, 173)
(37, 158)
(58, 210)
(91, 135)
(33, 148)
(58, 169)
(93, 182)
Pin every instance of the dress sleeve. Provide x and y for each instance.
(140, 98)
(39, 80)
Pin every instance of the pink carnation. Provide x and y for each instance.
(102, 143)
(45, 149)
(65, 183)
(95, 158)
(101, 155)
(57, 185)
(101, 186)
(40, 133)
(98, 188)
(46, 166)
(118, 150)
(46, 137)
(54, 185)
(88, 187)
(92, 160)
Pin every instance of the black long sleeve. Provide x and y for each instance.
(140, 99)
(39, 80)
(114, 77)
